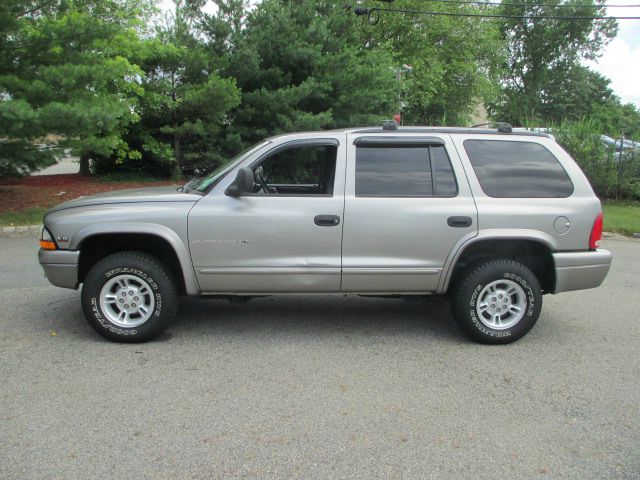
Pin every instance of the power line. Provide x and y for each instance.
(506, 4)
(376, 11)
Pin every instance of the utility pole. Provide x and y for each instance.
(399, 71)
(620, 169)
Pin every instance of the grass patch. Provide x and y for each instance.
(621, 217)
(29, 216)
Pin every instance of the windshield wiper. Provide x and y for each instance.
(189, 187)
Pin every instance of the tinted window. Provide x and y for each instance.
(297, 170)
(404, 172)
(517, 169)
(444, 182)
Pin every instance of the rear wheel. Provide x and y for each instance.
(129, 297)
(497, 301)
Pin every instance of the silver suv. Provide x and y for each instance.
(495, 219)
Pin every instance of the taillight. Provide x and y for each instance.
(596, 232)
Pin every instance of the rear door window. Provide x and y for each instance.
(404, 171)
(508, 169)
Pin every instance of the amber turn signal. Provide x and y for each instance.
(47, 245)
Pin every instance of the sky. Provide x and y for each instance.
(620, 60)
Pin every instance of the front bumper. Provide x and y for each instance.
(60, 267)
(581, 270)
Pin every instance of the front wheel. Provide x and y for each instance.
(497, 302)
(129, 297)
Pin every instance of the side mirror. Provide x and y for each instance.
(243, 183)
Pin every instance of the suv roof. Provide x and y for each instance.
(516, 132)
(468, 130)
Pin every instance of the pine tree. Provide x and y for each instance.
(65, 72)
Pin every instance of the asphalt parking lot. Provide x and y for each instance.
(319, 387)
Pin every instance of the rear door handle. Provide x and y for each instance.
(327, 220)
(459, 222)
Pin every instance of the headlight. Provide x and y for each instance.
(46, 240)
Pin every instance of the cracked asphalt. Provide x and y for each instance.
(319, 387)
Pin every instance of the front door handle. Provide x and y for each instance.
(326, 220)
(459, 222)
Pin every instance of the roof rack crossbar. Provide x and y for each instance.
(503, 127)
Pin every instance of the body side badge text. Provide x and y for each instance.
(238, 243)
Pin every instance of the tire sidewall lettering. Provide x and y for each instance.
(501, 333)
(100, 317)
(158, 308)
(475, 278)
(132, 271)
(531, 300)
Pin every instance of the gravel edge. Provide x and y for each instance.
(21, 231)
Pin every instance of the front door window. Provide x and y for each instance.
(302, 170)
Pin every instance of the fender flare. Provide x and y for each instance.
(171, 237)
(485, 235)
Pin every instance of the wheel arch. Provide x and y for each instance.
(532, 249)
(97, 241)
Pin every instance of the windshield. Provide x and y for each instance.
(205, 184)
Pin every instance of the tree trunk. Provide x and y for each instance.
(85, 168)
(176, 147)
(177, 168)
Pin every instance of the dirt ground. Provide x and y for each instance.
(49, 190)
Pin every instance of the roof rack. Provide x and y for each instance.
(503, 127)
(389, 125)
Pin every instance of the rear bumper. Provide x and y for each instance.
(580, 270)
(60, 267)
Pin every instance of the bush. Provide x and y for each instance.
(146, 165)
(600, 162)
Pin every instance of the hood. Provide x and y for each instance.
(133, 195)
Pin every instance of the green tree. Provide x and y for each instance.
(583, 94)
(574, 96)
(185, 100)
(543, 56)
(299, 66)
(454, 60)
(64, 71)
(616, 119)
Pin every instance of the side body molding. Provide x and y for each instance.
(490, 234)
(161, 231)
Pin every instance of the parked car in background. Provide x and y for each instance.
(620, 144)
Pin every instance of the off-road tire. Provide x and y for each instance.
(466, 300)
(136, 266)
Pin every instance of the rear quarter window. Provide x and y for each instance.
(513, 169)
